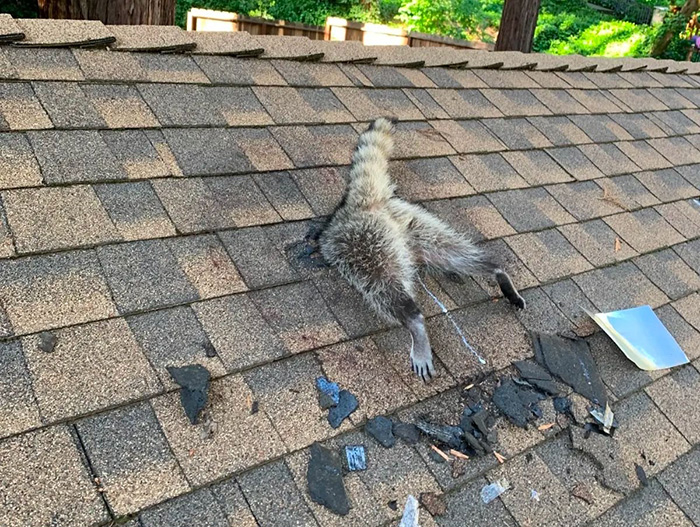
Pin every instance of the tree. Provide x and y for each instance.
(155, 12)
(518, 25)
(675, 25)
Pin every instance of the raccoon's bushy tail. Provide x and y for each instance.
(370, 184)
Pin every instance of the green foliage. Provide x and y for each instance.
(608, 38)
(20, 8)
(453, 18)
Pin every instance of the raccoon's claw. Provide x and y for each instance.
(423, 368)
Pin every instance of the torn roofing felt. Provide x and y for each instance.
(152, 210)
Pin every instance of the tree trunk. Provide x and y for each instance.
(690, 7)
(153, 12)
(518, 25)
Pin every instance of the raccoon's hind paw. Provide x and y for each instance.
(518, 302)
(423, 367)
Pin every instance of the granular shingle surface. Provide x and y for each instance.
(154, 213)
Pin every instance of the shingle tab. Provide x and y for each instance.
(80, 375)
(575, 163)
(454, 78)
(150, 38)
(474, 216)
(284, 195)
(67, 105)
(319, 145)
(302, 105)
(135, 210)
(44, 478)
(63, 33)
(163, 67)
(45, 64)
(506, 79)
(609, 159)
(256, 257)
(559, 102)
(595, 101)
(181, 105)
(667, 185)
(465, 104)
(104, 65)
(677, 150)
(174, 337)
(366, 105)
(644, 156)
(44, 292)
(20, 109)
(530, 209)
(323, 188)
(684, 216)
(670, 273)
(20, 411)
(426, 104)
(585, 199)
(677, 122)
(626, 192)
(74, 156)
(517, 134)
(239, 72)
(548, 254)
(638, 125)
(429, 179)
(140, 154)
(488, 172)
(619, 287)
(46, 219)
(9, 30)
(645, 230)
(671, 98)
(131, 457)
(468, 136)
(600, 128)
(597, 242)
(516, 102)
(232, 43)
(120, 106)
(418, 139)
(144, 275)
(388, 77)
(560, 130)
(18, 166)
(537, 167)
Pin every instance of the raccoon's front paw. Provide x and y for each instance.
(423, 366)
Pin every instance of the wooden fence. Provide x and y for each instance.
(335, 29)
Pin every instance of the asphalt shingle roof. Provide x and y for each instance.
(152, 207)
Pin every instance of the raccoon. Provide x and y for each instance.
(379, 243)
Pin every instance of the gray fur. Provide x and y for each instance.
(378, 242)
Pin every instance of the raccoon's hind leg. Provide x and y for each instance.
(440, 248)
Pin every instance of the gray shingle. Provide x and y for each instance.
(120, 105)
(181, 105)
(626, 193)
(92, 367)
(318, 145)
(45, 478)
(429, 178)
(475, 216)
(44, 292)
(677, 122)
(585, 199)
(207, 265)
(135, 210)
(559, 102)
(98, 64)
(644, 229)
(20, 109)
(47, 64)
(517, 134)
(130, 455)
(256, 257)
(45, 219)
(168, 67)
(530, 209)
(488, 172)
(144, 275)
(667, 185)
(677, 150)
(506, 79)
(468, 136)
(548, 254)
(174, 337)
(322, 187)
(74, 156)
(302, 105)
(19, 411)
(139, 153)
(366, 105)
(560, 130)
(516, 102)
(18, 166)
(239, 106)
(67, 105)
(418, 139)
(597, 242)
(465, 104)
(239, 332)
(240, 72)
(575, 163)
(637, 125)
(426, 104)
(284, 195)
(639, 100)
(454, 78)
(600, 128)
(609, 159)
(619, 287)
(643, 155)
(197, 509)
(311, 73)
(670, 273)
(678, 481)
(595, 101)
(228, 494)
(536, 167)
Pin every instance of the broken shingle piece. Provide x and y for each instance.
(537, 376)
(328, 393)
(347, 404)
(325, 480)
(194, 380)
(381, 429)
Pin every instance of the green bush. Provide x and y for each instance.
(20, 8)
